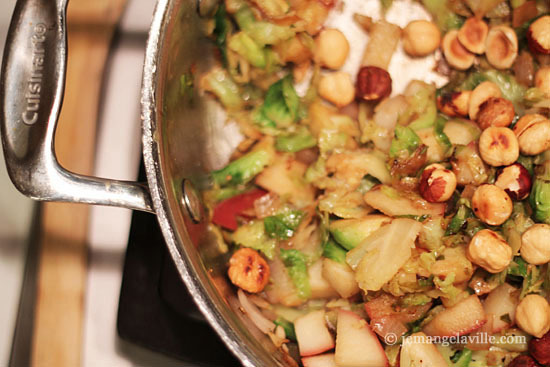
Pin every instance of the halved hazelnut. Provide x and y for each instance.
(472, 35)
(479, 95)
(496, 111)
(502, 47)
(533, 132)
(498, 146)
(437, 183)
(538, 35)
(454, 104)
(515, 181)
(456, 55)
(373, 84)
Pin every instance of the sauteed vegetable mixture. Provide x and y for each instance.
(371, 228)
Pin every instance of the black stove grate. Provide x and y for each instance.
(155, 309)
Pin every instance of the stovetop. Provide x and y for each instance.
(155, 309)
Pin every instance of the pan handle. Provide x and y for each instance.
(31, 93)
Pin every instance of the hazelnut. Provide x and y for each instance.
(542, 80)
(437, 183)
(456, 55)
(533, 315)
(535, 248)
(539, 348)
(523, 361)
(515, 181)
(490, 251)
(538, 35)
(373, 83)
(502, 47)
(496, 111)
(337, 88)
(248, 270)
(491, 204)
(332, 48)
(472, 35)
(533, 132)
(454, 104)
(481, 94)
(420, 38)
(498, 146)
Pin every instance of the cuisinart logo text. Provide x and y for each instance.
(34, 83)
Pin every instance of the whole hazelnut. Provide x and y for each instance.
(337, 88)
(332, 48)
(542, 80)
(501, 47)
(373, 83)
(539, 348)
(456, 55)
(479, 95)
(420, 38)
(535, 247)
(533, 315)
(498, 146)
(523, 361)
(496, 111)
(490, 251)
(455, 103)
(515, 181)
(472, 35)
(538, 35)
(533, 132)
(491, 204)
(437, 183)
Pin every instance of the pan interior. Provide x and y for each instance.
(185, 136)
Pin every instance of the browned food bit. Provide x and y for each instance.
(472, 35)
(539, 348)
(515, 181)
(455, 103)
(502, 47)
(542, 80)
(496, 111)
(437, 183)
(248, 270)
(524, 13)
(373, 83)
(524, 68)
(538, 35)
(523, 361)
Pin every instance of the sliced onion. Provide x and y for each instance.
(266, 326)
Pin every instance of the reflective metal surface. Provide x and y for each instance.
(186, 137)
(31, 93)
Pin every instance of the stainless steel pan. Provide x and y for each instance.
(183, 139)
